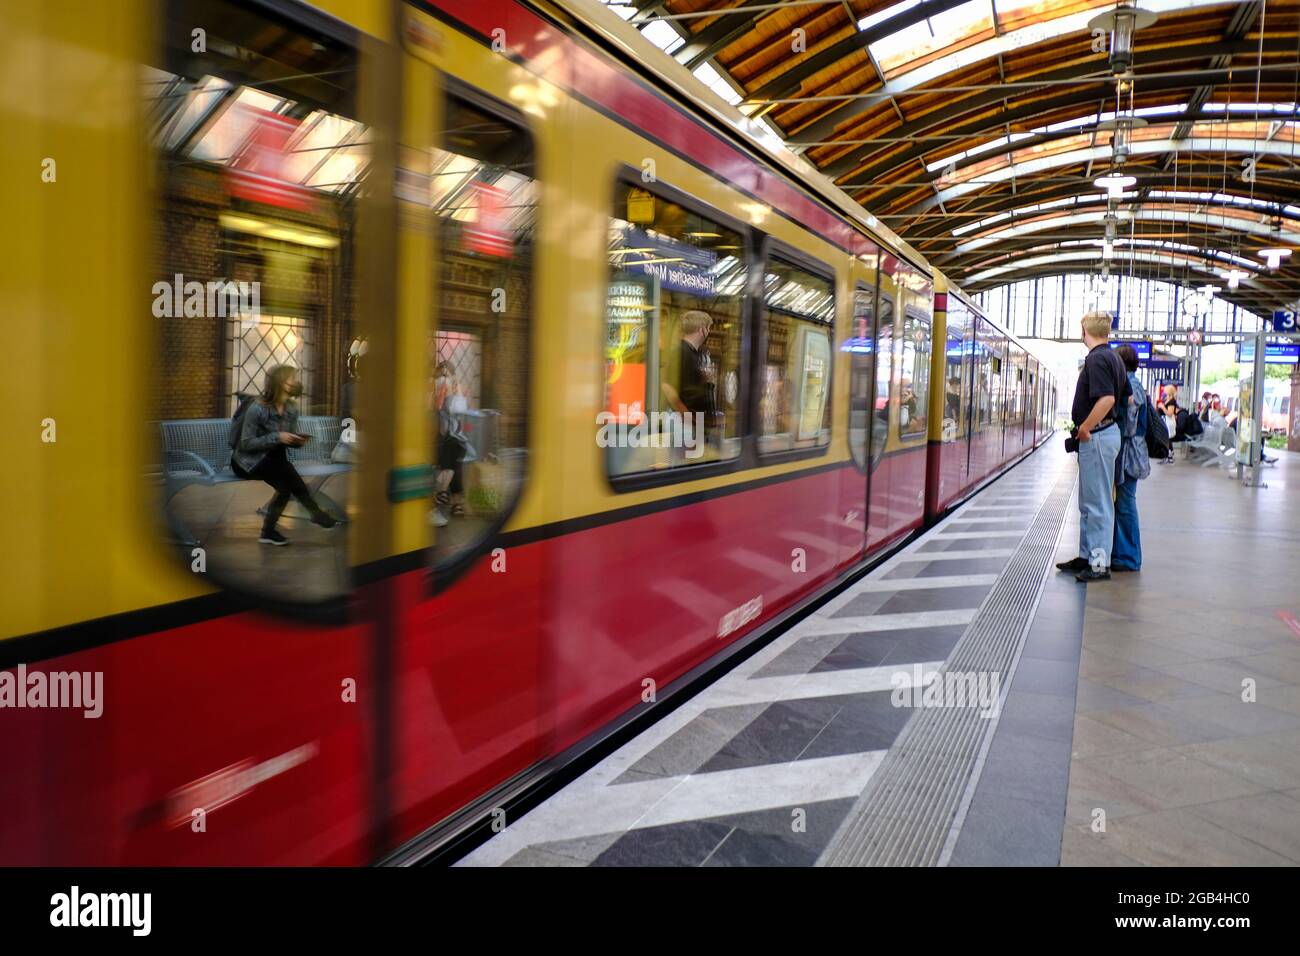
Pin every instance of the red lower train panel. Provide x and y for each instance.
(249, 719)
(243, 719)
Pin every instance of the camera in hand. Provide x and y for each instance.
(1072, 441)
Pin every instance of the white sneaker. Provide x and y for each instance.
(437, 518)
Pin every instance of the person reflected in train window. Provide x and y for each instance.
(453, 446)
(952, 398)
(269, 429)
(698, 382)
(345, 449)
(908, 423)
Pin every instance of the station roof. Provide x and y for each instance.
(976, 129)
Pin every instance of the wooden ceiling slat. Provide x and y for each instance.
(908, 131)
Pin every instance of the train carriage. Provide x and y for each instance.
(407, 201)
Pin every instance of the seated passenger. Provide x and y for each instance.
(267, 431)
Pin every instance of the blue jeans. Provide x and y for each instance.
(1128, 537)
(1096, 494)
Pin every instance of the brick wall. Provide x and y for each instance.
(192, 377)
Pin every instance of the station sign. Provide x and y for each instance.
(679, 266)
(1143, 349)
(1284, 320)
(1275, 353)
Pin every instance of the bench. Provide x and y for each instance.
(197, 451)
(1216, 445)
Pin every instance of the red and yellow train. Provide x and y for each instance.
(701, 388)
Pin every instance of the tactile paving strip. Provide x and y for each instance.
(905, 816)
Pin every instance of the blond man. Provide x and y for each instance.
(1099, 397)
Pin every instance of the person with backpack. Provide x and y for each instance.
(262, 432)
(1134, 464)
(1100, 395)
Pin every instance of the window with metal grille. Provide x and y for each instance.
(261, 158)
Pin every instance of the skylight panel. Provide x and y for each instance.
(662, 35)
(867, 22)
(624, 10)
(939, 31)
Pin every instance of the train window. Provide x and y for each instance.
(794, 405)
(885, 393)
(674, 324)
(261, 160)
(913, 375)
(984, 376)
(956, 385)
(995, 405)
(861, 349)
(1016, 389)
(484, 195)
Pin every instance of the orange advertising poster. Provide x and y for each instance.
(626, 391)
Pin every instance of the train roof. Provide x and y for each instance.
(638, 52)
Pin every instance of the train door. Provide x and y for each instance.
(469, 672)
(914, 333)
(217, 172)
(999, 370)
(970, 376)
(884, 410)
(1017, 385)
(955, 392)
(984, 354)
(867, 430)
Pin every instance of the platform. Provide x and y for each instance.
(1117, 732)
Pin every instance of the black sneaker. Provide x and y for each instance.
(323, 519)
(1091, 575)
(273, 537)
(1074, 565)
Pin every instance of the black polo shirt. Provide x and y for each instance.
(1103, 374)
(696, 393)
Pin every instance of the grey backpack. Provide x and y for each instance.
(237, 420)
(1134, 461)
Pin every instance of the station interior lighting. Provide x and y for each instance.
(1114, 184)
(1274, 256)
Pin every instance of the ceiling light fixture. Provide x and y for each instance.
(1122, 22)
(1114, 183)
(1274, 256)
(1234, 277)
(1122, 128)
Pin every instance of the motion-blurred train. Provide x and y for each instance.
(700, 388)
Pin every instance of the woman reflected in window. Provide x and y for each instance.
(269, 428)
